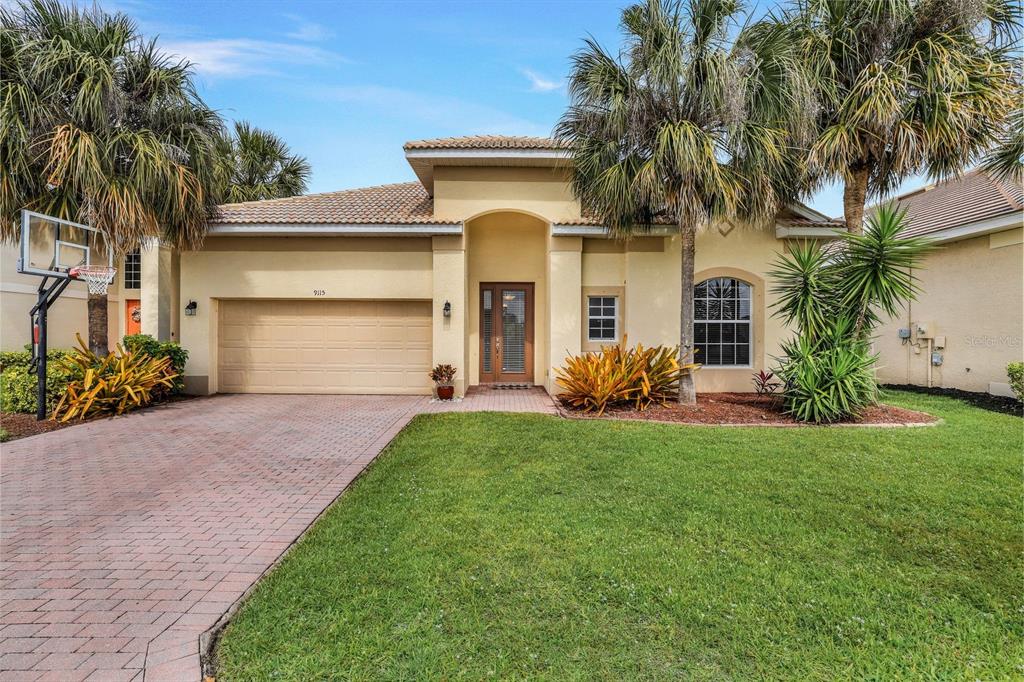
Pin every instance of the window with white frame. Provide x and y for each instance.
(133, 270)
(603, 318)
(721, 322)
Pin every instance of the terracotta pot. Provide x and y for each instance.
(445, 392)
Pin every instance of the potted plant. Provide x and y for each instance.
(443, 376)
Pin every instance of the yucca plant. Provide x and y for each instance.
(618, 374)
(114, 384)
(828, 379)
(835, 297)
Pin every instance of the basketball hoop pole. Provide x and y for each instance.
(46, 296)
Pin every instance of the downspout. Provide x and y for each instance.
(928, 360)
(910, 342)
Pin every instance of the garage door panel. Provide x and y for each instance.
(325, 346)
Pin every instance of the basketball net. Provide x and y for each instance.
(97, 277)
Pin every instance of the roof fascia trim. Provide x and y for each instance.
(430, 154)
(978, 228)
(368, 229)
(787, 232)
(600, 231)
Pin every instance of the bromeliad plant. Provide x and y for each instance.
(835, 297)
(621, 375)
(114, 384)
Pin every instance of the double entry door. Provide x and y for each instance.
(506, 333)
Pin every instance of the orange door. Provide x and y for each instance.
(132, 316)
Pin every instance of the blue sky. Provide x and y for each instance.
(345, 84)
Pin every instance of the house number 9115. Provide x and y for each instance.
(319, 292)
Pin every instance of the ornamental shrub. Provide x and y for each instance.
(144, 343)
(22, 358)
(1015, 371)
(620, 375)
(121, 381)
(18, 384)
(835, 298)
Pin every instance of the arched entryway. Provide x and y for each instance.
(506, 253)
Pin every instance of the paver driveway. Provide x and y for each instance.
(124, 539)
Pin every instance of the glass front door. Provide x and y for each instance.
(506, 333)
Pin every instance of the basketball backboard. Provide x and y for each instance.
(50, 247)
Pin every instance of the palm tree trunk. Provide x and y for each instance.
(687, 390)
(98, 323)
(855, 192)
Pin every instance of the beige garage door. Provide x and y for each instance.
(324, 347)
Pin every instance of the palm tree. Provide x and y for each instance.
(686, 126)
(904, 87)
(102, 128)
(1006, 159)
(256, 164)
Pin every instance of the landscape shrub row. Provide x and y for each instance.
(68, 368)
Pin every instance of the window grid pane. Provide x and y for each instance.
(602, 318)
(722, 315)
(133, 270)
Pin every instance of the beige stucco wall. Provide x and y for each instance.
(649, 270)
(463, 193)
(973, 294)
(159, 296)
(449, 342)
(564, 305)
(291, 268)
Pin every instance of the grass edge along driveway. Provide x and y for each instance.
(521, 546)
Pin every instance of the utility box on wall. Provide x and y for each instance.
(925, 330)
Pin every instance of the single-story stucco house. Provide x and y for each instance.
(968, 321)
(486, 262)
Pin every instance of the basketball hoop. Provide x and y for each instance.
(98, 277)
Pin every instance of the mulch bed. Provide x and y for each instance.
(744, 409)
(20, 425)
(986, 401)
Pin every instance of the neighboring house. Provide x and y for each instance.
(141, 299)
(485, 262)
(967, 323)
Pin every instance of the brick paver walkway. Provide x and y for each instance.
(123, 540)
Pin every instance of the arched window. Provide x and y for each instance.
(721, 328)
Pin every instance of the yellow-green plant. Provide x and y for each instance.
(619, 374)
(114, 384)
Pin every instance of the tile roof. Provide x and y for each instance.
(972, 197)
(587, 220)
(487, 142)
(405, 203)
(804, 222)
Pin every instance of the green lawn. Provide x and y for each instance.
(514, 547)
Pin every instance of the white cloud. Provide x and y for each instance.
(240, 57)
(456, 115)
(539, 83)
(307, 30)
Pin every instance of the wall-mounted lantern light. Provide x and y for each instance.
(447, 309)
(190, 309)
